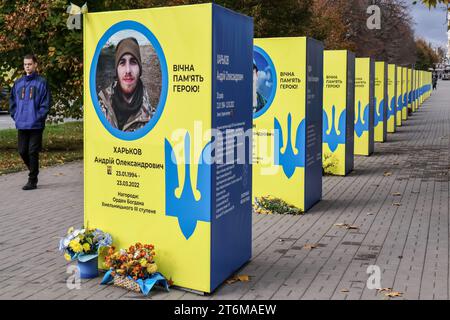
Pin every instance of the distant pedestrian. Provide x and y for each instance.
(29, 105)
(435, 79)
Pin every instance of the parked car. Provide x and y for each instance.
(446, 76)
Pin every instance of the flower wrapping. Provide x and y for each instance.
(146, 285)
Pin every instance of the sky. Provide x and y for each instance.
(430, 24)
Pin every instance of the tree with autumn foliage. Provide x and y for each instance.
(427, 57)
(39, 27)
(342, 24)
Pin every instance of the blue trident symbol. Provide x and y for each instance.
(378, 117)
(400, 103)
(360, 125)
(405, 101)
(391, 109)
(332, 138)
(186, 208)
(289, 160)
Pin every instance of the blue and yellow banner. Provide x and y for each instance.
(414, 91)
(421, 85)
(338, 111)
(364, 107)
(381, 101)
(392, 98)
(160, 87)
(405, 88)
(410, 80)
(287, 120)
(399, 96)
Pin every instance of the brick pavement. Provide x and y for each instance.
(408, 241)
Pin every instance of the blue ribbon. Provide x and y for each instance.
(144, 284)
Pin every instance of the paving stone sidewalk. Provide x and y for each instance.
(398, 198)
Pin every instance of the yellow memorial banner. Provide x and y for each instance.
(399, 96)
(381, 101)
(392, 98)
(410, 80)
(287, 120)
(161, 86)
(405, 89)
(364, 107)
(338, 111)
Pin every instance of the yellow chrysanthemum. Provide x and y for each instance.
(143, 262)
(67, 257)
(152, 268)
(86, 247)
(70, 230)
(76, 246)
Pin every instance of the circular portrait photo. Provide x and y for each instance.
(264, 82)
(130, 80)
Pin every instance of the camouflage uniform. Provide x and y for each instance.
(135, 121)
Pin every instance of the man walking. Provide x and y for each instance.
(435, 79)
(29, 105)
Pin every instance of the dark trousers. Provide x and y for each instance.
(30, 144)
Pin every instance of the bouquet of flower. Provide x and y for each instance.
(136, 262)
(134, 268)
(271, 205)
(83, 244)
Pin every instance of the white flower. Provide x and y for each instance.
(66, 242)
(76, 233)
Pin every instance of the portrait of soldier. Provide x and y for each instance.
(125, 103)
(258, 100)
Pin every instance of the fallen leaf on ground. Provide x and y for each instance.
(231, 281)
(398, 204)
(393, 294)
(340, 224)
(387, 174)
(346, 225)
(370, 213)
(384, 289)
(345, 290)
(309, 246)
(396, 194)
(241, 278)
(244, 278)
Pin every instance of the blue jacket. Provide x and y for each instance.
(29, 102)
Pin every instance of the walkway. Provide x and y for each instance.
(398, 199)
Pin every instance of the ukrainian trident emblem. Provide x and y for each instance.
(331, 136)
(187, 208)
(362, 123)
(289, 159)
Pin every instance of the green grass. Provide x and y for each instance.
(62, 143)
